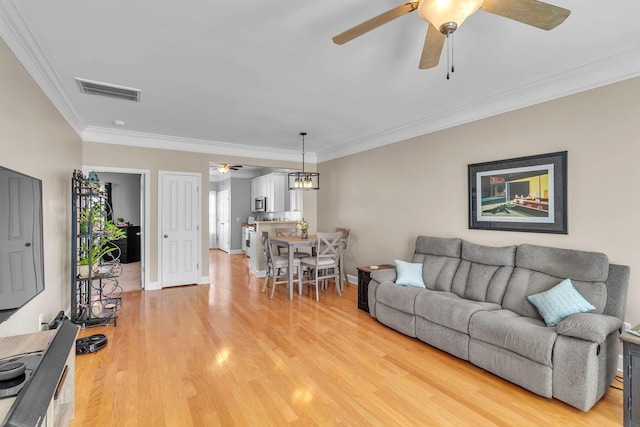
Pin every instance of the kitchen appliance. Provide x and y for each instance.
(260, 204)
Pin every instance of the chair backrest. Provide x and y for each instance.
(266, 245)
(346, 232)
(285, 231)
(329, 245)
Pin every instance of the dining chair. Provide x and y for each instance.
(277, 266)
(346, 239)
(325, 264)
(288, 231)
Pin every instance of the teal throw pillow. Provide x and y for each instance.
(409, 274)
(560, 302)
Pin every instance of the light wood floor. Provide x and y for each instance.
(226, 355)
(129, 279)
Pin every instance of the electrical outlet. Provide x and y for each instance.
(627, 326)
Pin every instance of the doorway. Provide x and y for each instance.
(130, 202)
(223, 217)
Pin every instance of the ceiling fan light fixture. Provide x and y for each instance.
(223, 168)
(447, 15)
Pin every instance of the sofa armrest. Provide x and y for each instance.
(385, 275)
(589, 326)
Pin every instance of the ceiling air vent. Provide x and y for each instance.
(105, 89)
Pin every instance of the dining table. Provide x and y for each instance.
(292, 243)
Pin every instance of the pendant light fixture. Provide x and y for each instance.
(304, 180)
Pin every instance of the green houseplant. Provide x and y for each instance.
(91, 216)
(91, 251)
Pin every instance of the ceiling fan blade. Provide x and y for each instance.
(432, 48)
(531, 12)
(374, 23)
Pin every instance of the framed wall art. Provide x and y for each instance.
(523, 194)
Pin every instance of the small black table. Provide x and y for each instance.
(364, 277)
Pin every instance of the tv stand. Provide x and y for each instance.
(47, 399)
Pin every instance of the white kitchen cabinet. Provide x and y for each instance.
(295, 201)
(271, 186)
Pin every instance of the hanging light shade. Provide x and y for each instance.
(223, 168)
(304, 180)
(447, 15)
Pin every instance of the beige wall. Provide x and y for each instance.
(389, 195)
(37, 141)
(119, 156)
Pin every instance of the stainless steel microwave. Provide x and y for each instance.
(260, 204)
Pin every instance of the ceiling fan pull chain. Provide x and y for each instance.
(448, 57)
(452, 55)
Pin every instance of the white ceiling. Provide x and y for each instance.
(245, 77)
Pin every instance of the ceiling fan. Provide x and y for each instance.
(445, 16)
(224, 167)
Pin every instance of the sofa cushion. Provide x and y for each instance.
(409, 274)
(525, 336)
(559, 302)
(441, 257)
(577, 265)
(448, 309)
(484, 272)
(441, 246)
(401, 298)
(539, 268)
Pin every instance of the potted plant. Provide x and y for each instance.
(90, 216)
(92, 250)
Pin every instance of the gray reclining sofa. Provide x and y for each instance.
(475, 307)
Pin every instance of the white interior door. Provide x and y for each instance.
(223, 217)
(213, 223)
(180, 229)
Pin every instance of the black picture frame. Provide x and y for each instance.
(526, 194)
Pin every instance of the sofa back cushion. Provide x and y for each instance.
(484, 272)
(440, 258)
(539, 268)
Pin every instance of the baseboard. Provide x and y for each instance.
(236, 252)
(204, 280)
(153, 286)
(620, 365)
(353, 280)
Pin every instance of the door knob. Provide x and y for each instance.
(138, 233)
(165, 236)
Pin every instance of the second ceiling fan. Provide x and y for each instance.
(445, 16)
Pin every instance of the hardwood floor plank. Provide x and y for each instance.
(225, 354)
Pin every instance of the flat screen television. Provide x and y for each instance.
(21, 250)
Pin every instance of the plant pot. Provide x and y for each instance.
(83, 270)
(84, 228)
(305, 234)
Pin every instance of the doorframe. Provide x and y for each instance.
(145, 204)
(198, 175)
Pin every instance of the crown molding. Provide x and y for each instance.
(18, 37)
(612, 69)
(166, 142)
(16, 34)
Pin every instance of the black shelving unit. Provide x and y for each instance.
(95, 292)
